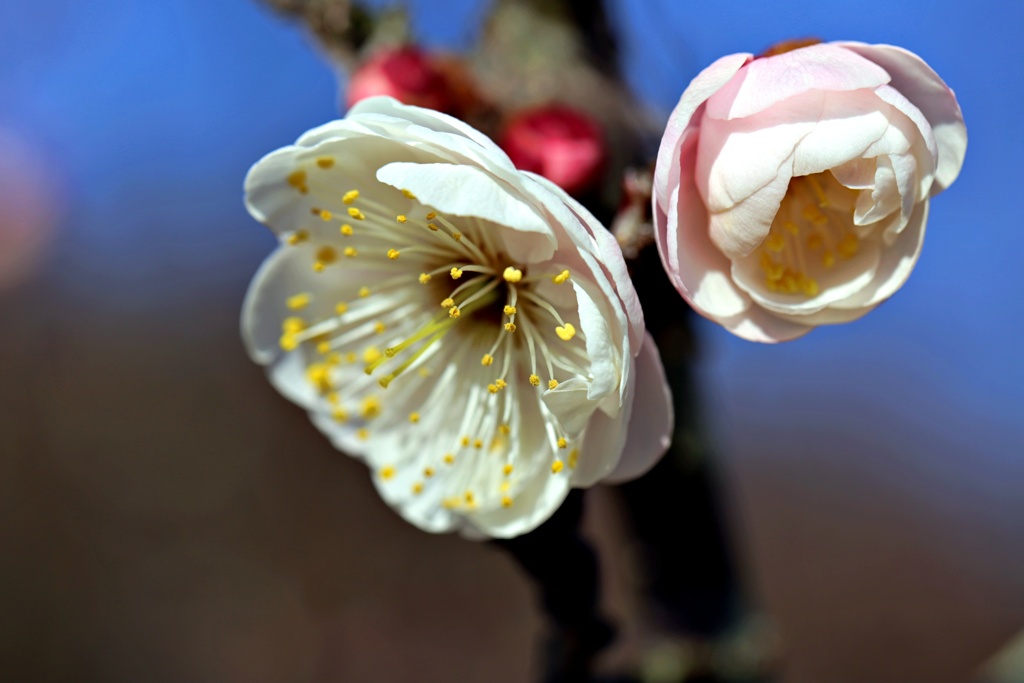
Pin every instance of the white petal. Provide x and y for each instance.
(651, 422)
(929, 93)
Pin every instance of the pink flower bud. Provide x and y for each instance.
(408, 74)
(558, 142)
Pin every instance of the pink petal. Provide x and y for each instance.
(698, 270)
(765, 82)
(700, 89)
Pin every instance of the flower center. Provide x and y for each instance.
(431, 309)
(812, 228)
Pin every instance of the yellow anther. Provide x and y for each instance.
(506, 501)
(448, 303)
(298, 181)
(424, 278)
(326, 255)
(431, 215)
(428, 472)
(468, 495)
(501, 384)
(356, 214)
(478, 443)
(371, 355)
(315, 210)
(325, 162)
(509, 310)
(848, 246)
(457, 236)
(828, 259)
(401, 218)
(379, 327)
(370, 408)
(535, 380)
(341, 307)
(417, 488)
(449, 459)
(393, 254)
(510, 327)
(791, 227)
(350, 196)
(574, 458)
(561, 277)
(556, 467)
(488, 359)
(814, 241)
(299, 301)
(350, 357)
(449, 503)
(333, 359)
(346, 230)
(562, 443)
(566, 332)
(333, 398)
(809, 286)
(464, 441)
(775, 242)
(423, 372)
(432, 227)
(407, 194)
(288, 342)
(387, 472)
(455, 273)
(339, 415)
(293, 324)
(364, 292)
(512, 274)
(505, 429)
(298, 237)
(326, 215)
(493, 388)
(350, 252)
(552, 383)
(363, 434)
(414, 417)
(319, 375)
(323, 347)
(507, 469)
(319, 266)
(504, 486)
(454, 312)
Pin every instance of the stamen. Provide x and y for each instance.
(561, 277)
(298, 237)
(350, 196)
(512, 275)
(566, 332)
(298, 302)
(325, 162)
(556, 467)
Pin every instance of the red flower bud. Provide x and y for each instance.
(562, 144)
(408, 74)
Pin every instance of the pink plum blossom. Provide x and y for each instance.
(792, 190)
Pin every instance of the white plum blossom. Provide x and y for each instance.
(467, 329)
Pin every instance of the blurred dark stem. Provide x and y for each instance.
(564, 568)
(675, 509)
